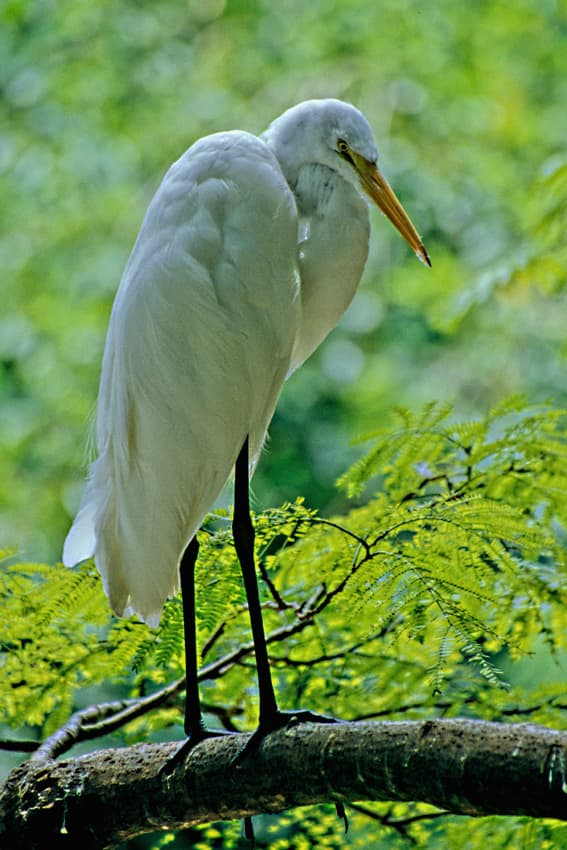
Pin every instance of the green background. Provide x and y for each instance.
(468, 106)
(468, 103)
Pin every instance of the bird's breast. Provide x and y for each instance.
(332, 254)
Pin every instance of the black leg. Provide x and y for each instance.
(193, 715)
(195, 728)
(243, 531)
(270, 717)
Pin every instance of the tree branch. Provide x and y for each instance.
(464, 766)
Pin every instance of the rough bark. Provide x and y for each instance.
(469, 767)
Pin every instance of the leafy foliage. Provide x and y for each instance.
(420, 599)
(97, 102)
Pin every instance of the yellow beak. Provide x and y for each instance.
(379, 190)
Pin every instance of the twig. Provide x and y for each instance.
(401, 824)
(212, 639)
(320, 659)
(281, 604)
(97, 720)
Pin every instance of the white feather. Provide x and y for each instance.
(194, 361)
(217, 304)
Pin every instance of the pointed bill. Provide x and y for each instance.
(381, 193)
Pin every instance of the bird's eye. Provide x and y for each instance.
(344, 150)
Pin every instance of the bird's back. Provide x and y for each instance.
(198, 346)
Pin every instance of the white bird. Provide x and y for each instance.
(249, 253)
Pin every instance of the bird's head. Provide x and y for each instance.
(336, 134)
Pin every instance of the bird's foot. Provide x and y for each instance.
(181, 753)
(278, 720)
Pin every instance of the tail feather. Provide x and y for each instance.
(139, 569)
(81, 540)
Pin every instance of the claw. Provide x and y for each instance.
(181, 753)
(279, 720)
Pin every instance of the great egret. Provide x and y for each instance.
(249, 253)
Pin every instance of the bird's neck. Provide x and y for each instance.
(332, 252)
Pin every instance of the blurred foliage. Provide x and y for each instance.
(468, 105)
(420, 601)
(98, 98)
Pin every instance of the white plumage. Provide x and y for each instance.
(249, 253)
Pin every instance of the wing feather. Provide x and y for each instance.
(199, 342)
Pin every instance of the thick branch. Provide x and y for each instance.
(465, 766)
